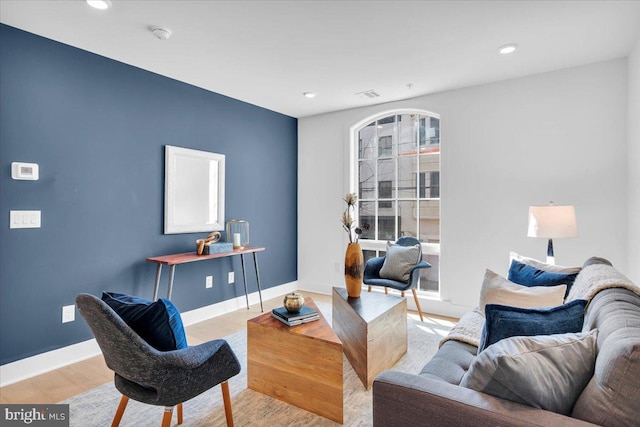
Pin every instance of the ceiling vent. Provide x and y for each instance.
(368, 94)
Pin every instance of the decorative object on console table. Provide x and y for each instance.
(293, 302)
(353, 259)
(203, 244)
(238, 233)
(552, 222)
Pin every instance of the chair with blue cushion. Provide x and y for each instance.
(152, 376)
(399, 269)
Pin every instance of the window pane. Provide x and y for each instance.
(435, 132)
(434, 185)
(429, 277)
(430, 221)
(385, 146)
(429, 132)
(386, 136)
(367, 255)
(429, 178)
(366, 142)
(366, 179)
(407, 134)
(407, 177)
(386, 179)
(387, 223)
(407, 221)
(367, 220)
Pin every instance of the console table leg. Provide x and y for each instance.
(172, 270)
(157, 287)
(244, 279)
(255, 262)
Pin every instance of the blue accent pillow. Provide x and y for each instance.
(528, 275)
(158, 323)
(503, 321)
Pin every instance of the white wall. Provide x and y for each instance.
(634, 164)
(558, 136)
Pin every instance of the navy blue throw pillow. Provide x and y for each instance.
(503, 321)
(527, 275)
(158, 323)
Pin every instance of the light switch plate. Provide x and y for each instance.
(24, 219)
(231, 277)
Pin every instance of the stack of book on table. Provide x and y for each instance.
(305, 315)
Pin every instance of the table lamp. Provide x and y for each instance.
(552, 222)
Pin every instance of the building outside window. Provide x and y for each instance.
(398, 177)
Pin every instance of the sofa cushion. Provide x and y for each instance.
(528, 275)
(158, 323)
(398, 261)
(505, 321)
(451, 362)
(612, 395)
(543, 371)
(498, 290)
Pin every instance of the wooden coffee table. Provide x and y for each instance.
(373, 331)
(300, 365)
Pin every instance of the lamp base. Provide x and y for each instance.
(550, 258)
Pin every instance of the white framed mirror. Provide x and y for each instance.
(193, 191)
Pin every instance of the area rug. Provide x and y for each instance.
(96, 407)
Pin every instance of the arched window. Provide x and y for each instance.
(396, 174)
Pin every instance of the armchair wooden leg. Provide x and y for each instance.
(415, 297)
(226, 397)
(121, 407)
(386, 290)
(402, 294)
(369, 290)
(166, 419)
(179, 413)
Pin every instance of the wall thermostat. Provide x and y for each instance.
(24, 171)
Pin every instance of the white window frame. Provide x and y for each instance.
(380, 245)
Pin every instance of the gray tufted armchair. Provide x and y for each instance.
(163, 378)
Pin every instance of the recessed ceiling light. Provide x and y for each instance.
(310, 94)
(508, 48)
(161, 33)
(99, 4)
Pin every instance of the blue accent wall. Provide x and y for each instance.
(97, 128)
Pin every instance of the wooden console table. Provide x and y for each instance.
(175, 259)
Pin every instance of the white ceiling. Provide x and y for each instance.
(269, 52)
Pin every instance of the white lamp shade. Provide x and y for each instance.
(552, 221)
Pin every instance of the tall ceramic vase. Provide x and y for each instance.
(353, 269)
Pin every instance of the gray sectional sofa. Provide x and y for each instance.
(611, 398)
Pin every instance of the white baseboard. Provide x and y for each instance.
(41, 363)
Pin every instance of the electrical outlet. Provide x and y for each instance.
(68, 313)
(209, 282)
(231, 277)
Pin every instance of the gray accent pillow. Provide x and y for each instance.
(399, 261)
(543, 371)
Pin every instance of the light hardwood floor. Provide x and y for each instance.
(60, 384)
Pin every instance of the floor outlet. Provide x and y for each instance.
(209, 282)
(68, 313)
(231, 277)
